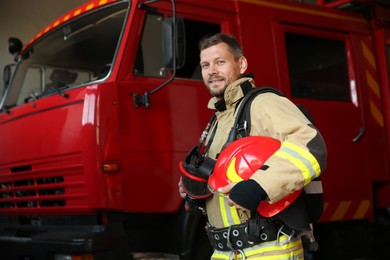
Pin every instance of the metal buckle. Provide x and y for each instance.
(242, 127)
(233, 255)
(282, 232)
(229, 243)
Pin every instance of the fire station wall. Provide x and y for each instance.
(24, 19)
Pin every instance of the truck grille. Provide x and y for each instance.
(24, 192)
(44, 187)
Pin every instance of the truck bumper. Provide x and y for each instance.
(103, 242)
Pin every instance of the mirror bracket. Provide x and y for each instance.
(145, 99)
(141, 99)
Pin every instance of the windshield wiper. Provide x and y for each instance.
(55, 90)
(6, 109)
(61, 91)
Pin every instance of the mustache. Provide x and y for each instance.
(215, 78)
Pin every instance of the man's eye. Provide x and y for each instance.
(204, 66)
(221, 62)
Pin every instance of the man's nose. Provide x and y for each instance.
(213, 69)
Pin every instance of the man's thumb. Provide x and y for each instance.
(227, 188)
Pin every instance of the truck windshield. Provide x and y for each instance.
(75, 53)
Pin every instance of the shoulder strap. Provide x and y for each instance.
(241, 125)
(244, 112)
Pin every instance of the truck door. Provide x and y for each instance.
(382, 40)
(382, 44)
(329, 74)
(155, 139)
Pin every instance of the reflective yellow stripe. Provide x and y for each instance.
(279, 252)
(307, 157)
(235, 217)
(305, 172)
(271, 246)
(295, 255)
(229, 214)
(223, 211)
(301, 158)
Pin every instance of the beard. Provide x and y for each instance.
(216, 89)
(218, 93)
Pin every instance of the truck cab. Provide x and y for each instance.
(103, 104)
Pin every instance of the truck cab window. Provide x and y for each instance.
(149, 54)
(195, 32)
(149, 62)
(317, 67)
(75, 53)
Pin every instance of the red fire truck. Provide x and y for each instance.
(104, 102)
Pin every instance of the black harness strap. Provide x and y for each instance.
(241, 124)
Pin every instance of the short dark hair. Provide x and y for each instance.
(231, 42)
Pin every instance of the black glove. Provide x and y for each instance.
(248, 194)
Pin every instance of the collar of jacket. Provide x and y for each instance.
(233, 93)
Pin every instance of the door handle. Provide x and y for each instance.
(359, 135)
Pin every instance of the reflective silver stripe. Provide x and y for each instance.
(229, 214)
(301, 158)
(314, 187)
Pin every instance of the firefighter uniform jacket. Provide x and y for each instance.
(300, 159)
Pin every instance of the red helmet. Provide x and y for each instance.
(240, 160)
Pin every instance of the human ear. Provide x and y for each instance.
(243, 64)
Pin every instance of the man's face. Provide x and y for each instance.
(219, 68)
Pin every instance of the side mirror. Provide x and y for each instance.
(170, 43)
(14, 45)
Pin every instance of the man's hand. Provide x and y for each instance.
(245, 194)
(182, 191)
(226, 190)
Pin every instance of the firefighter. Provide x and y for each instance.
(235, 228)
